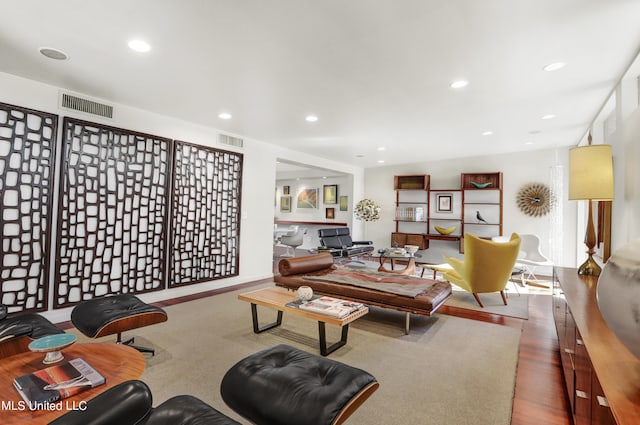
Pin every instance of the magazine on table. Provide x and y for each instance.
(331, 306)
(46, 386)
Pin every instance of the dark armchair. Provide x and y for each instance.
(131, 403)
(338, 241)
(19, 330)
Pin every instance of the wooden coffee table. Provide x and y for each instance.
(116, 362)
(277, 298)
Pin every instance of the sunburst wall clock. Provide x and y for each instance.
(535, 199)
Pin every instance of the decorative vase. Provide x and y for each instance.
(618, 295)
(305, 293)
(481, 185)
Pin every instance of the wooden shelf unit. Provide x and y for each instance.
(419, 208)
(482, 207)
(602, 377)
(412, 210)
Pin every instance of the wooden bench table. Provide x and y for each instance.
(277, 299)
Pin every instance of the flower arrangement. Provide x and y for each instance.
(367, 210)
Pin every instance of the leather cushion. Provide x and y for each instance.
(307, 264)
(187, 410)
(283, 385)
(92, 315)
(32, 324)
(126, 403)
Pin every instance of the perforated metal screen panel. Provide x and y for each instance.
(205, 214)
(113, 209)
(27, 160)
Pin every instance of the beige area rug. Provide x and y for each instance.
(517, 302)
(448, 370)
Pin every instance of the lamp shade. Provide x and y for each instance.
(591, 173)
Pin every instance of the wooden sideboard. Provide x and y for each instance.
(602, 377)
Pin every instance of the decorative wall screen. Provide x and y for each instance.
(205, 214)
(27, 160)
(112, 212)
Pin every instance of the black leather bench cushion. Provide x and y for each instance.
(286, 386)
(92, 315)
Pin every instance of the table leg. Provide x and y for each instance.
(324, 350)
(254, 316)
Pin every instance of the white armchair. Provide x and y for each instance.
(531, 257)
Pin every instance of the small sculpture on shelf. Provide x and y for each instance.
(481, 185)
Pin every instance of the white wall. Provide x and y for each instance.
(259, 174)
(517, 168)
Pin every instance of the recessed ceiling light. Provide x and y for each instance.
(139, 46)
(487, 133)
(547, 117)
(458, 84)
(381, 161)
(528, 143)
(554, 66)
(53, 53)
(311, 118)
(224, 116)
(382, 148)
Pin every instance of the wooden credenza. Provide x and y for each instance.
(602, 377)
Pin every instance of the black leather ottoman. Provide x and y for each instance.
(286, 386)
(115, 314)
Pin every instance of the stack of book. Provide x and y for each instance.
(331, 306)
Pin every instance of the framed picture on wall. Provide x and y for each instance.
(330, 213)
(285, 203)
(330, 194)
(444, 202)
(344, 203)
(308, 198)
(285, 190)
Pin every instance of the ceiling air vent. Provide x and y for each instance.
(87, 106)
(225, 139)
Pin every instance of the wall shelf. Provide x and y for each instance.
(446, 208)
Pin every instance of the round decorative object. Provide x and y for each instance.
(534, 199)
(305, 293)
(367, 210)
(618, 295)
(411, 249)
(52, 344)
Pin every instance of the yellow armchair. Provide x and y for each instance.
(486, 267)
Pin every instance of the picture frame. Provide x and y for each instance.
(330, 194)
(285, 204)
(286, 190)
(330, 213)
(444, 203)
(344, 203)
(307, 198)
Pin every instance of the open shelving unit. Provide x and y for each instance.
(481, 205)
(412, 210)
(475, 208)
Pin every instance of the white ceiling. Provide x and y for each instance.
(375, 72)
